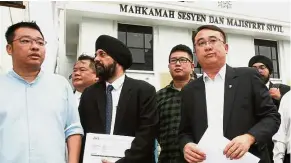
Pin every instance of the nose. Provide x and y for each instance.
(97, 58)
(208, 46)
(34, 46)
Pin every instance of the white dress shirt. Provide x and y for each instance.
(117, 86)
(214, 90)
(282, 138)
(78, 97)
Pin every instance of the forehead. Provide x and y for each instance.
(206, 33)
(82, 63)
(179, 54)
(27, 32)
(258, 64)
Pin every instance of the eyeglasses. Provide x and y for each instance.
(181, 60)
(29, 41)
(261, 67)
(212, 41)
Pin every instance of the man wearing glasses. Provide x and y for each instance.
(264, 66)
(233, 102)
(38, 112)
(180, 67)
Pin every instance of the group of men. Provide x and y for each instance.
(40, 117)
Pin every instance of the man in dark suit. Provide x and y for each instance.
(234, 101)
(265, 67)
(128, 109)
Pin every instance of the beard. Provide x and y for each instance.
(265, 79)
(103, 72)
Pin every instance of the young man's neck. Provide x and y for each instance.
(81, 90)
(179, 84)
(28, 74)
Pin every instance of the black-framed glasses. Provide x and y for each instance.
(212, 41)
(181, 60)
(29, 41)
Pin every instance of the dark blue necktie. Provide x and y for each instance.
(108, 108)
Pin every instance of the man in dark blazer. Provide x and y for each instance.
(233, 100)
(134, 110)
(265, 68)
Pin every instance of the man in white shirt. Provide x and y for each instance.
(282, 138)
(84, 74)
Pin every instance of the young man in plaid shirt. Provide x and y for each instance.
(180, 66)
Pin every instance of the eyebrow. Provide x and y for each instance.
(208, 37)
(30, 37)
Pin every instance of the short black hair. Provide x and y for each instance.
(210, 27)
(85, 57)
(183, 48)
(10, 33)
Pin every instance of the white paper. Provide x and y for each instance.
(213, 145)
(103, 146)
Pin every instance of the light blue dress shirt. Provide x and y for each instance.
(36, 118)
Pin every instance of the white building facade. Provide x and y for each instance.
(151, 29)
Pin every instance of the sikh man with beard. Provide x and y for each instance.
(265, 67)
(169, 100)
(119, 105)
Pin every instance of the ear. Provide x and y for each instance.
(9, 49)
(192, 66)
(226, 48)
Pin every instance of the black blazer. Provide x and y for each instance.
(248, 108)
(136, 116)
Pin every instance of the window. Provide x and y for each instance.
(139, 40)
(268, 49)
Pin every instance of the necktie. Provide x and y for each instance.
(108, 108)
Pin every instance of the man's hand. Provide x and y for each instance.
(105, 161)
(275, 93)
(238, 146)
(193, 154)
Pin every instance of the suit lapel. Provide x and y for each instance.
(122, 103)
(229, 93)
(101, 100)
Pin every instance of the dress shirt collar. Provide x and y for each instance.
(220, 74)
(117, 83)
(13, 74)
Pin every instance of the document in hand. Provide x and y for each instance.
(103, 146)
(213, 145)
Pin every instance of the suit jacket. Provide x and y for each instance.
(248, 108)
(136, 116)
(282, 88)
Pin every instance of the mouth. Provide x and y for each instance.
(34, 56)
(209, 55)
(178, 70)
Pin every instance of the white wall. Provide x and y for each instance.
(284, 61)
(241, 50)
(7, 18)
(90, 30)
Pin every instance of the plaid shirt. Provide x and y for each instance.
(169, 101)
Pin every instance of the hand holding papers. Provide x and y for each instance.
(108, 147)
(213, 145)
